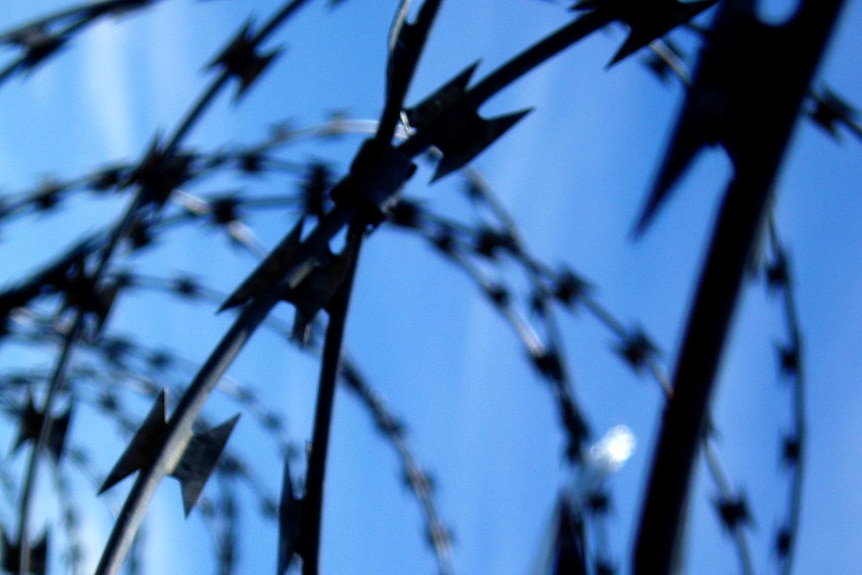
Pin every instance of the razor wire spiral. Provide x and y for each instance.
(63, 310)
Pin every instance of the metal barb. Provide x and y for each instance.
(241, 60)
(32, 421)
(289, 517)
(38, 556)
(453, 125)
(193, 465)
(268, 271)
(744, 97)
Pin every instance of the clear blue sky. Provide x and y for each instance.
(574, 173)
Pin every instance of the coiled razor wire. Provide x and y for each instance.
(473, 248)
(461, 244)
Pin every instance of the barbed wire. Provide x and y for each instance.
(126, 364)
(167, 169)
(460, 243)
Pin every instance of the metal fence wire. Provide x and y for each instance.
(70, 370)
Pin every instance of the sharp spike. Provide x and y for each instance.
(241, 59)
(426, 113)
(143, 446)
(830, 111)
(691, 135)
(742, 96)
(733, 512)
(289, 510)
(199, 459)
(57, 437)
(473, 136)
(11, 555)
(32, 421)
(650, 21)
(270, 268)
(159, 174)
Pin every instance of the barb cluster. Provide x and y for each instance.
(64, 309)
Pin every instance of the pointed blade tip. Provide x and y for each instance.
(192, 484)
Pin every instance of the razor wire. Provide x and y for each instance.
(166, 167)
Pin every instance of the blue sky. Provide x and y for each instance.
(574, 173)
